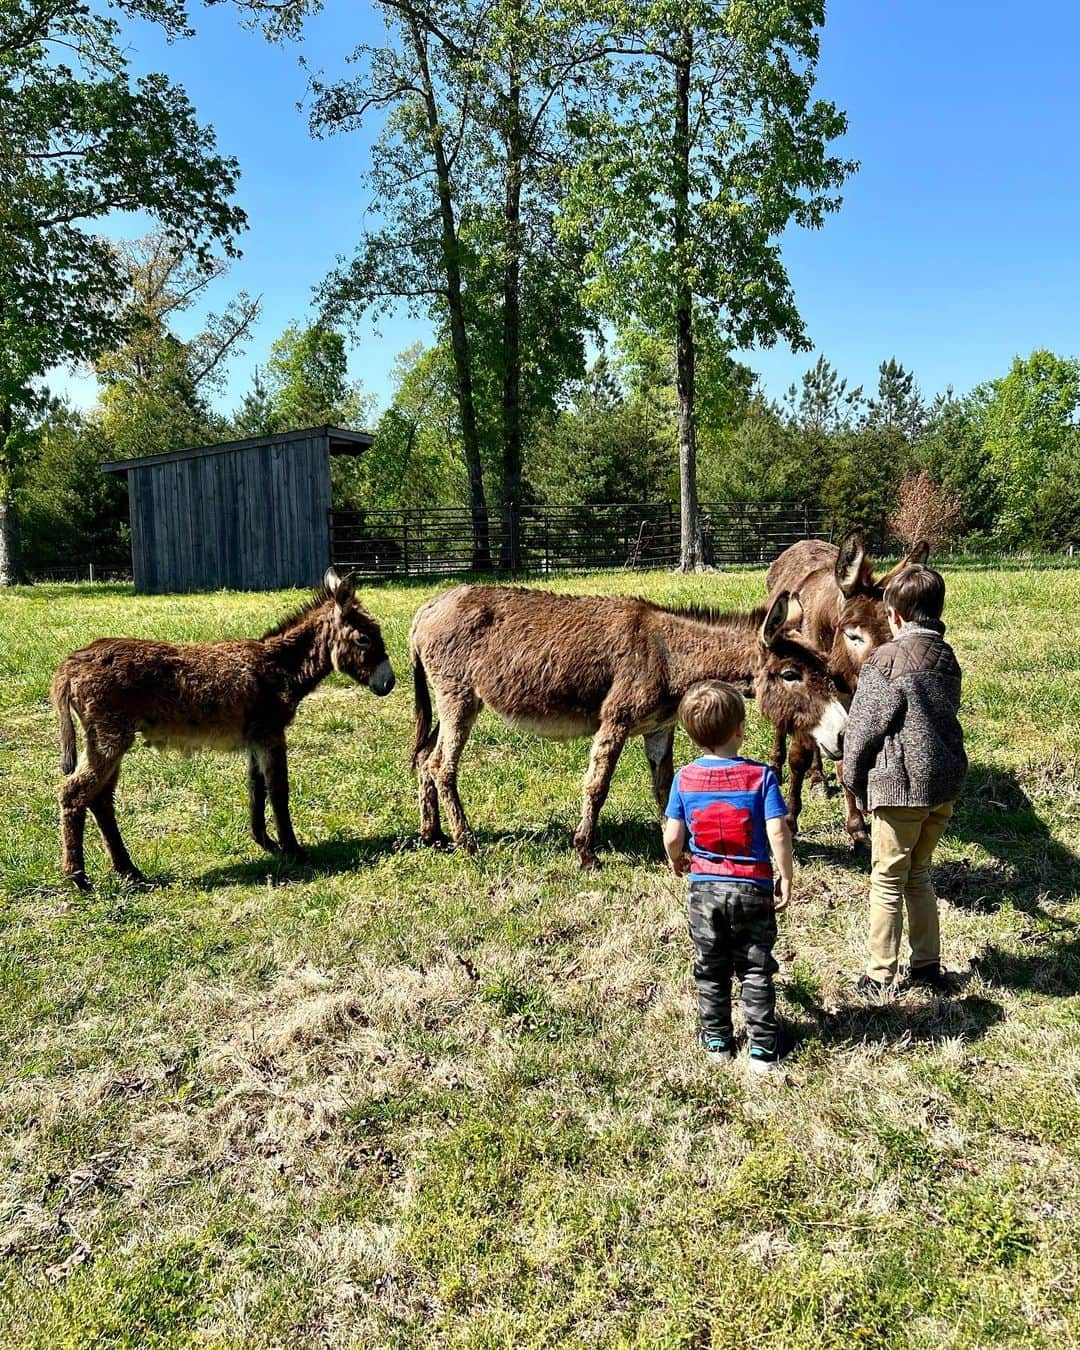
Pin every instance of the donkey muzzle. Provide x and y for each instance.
(829, 732)
(382, 679)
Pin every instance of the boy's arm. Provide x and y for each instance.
(675, 845)
(779, 832)
(873, 710)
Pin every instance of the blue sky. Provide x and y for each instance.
(956, 248)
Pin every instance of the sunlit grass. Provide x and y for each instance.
(403, 1097)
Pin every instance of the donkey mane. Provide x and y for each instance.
(710, 614)
(314, 601)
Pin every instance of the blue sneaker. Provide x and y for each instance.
(719, 1049)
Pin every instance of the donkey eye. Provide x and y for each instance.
(791, 676)
(853, 635)
(362, 642)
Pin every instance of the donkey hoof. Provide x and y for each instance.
(80, 881)
(589, 861)
(438, 840)
(270, 845)
(469, 847)
(860, 842)
(133, 876)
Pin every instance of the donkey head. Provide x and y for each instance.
(356, 642)
(860, 617)
(794, 687)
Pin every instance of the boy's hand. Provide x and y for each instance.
(681, 865)
(781, 894)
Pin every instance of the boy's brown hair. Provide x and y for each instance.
(711, 712)
(917, 594)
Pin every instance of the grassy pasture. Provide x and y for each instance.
(406, 1098)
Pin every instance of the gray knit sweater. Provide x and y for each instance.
(904, 745)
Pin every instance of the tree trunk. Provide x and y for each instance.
(459, 341)
(510, 548)
(8, 565)
(690, 558)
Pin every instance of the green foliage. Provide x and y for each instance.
(69, 511)
(1030, 425)
(307, 383)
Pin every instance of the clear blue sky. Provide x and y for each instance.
(958, 245)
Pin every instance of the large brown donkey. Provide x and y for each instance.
(843, 618)
(607, 667)
(231, 695)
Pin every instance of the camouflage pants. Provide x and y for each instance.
(733, 928)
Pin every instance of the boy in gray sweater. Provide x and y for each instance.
(904, 760)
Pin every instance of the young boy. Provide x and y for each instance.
(733, 812)
(904, 760)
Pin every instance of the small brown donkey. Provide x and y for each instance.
(608, 667)
(230, 695)
(843, 618)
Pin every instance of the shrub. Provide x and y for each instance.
(925, 510)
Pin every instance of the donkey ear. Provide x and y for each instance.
(915, 558)
(850, 559)
(795, 610)
(775, 620)
(340, 589)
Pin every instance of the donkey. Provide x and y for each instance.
(607, 667)
(230, 695)
(843, 618)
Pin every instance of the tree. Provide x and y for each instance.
(898, 404)
(307, 382)
(78, 139)
(1030, 422)
(823, 402)
(707, 149)
(156, 387)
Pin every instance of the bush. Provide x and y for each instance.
(925, 510)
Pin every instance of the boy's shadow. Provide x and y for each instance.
(904, 1020)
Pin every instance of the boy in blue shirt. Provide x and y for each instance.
(732, 813)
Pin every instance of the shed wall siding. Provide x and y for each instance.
(253, 519)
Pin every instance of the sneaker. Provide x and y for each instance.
(764, 1061)
(869, 988)
(930, 976)
(719, 1049)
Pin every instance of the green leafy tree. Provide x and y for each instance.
(709, 146)
(156, 388)
(899, 404)
(1030, 424)
(953, 452)
(79, 138)
(307, 381)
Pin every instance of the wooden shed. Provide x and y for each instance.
(244, 515)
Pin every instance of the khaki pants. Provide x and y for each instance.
(903, 838)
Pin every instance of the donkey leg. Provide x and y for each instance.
(854, 820)
(275, 771)
(77, 791)
(800, 757)
(456, 719)
(817, 773)
(779, 752)
(257, 804)
(431, 833)
(659, 751)
(103, 809)
(606, 748)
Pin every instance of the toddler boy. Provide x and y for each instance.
(904, 760)
(732, 812)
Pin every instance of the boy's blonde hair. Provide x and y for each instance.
(711, 712)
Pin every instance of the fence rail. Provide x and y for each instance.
(564, 538)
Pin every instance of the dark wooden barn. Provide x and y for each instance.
(244, 515)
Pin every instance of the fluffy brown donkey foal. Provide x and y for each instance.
(607, 667)
(842, 617)
(231, 695)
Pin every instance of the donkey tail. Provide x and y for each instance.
(61, 697)
(424, 735)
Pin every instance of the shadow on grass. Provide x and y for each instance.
(906, 1019)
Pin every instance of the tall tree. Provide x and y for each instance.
(707, 147)
(307, 381)
(80, 138)
(155, 386)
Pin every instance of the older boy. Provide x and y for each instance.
(904, 760)
(733, 812)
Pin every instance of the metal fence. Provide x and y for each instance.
(567, 538)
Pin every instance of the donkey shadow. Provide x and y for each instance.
(328, 858)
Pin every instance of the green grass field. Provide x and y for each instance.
(407, 1098)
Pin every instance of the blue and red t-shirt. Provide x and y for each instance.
(724, 804)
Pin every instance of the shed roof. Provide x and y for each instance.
(342, 442)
